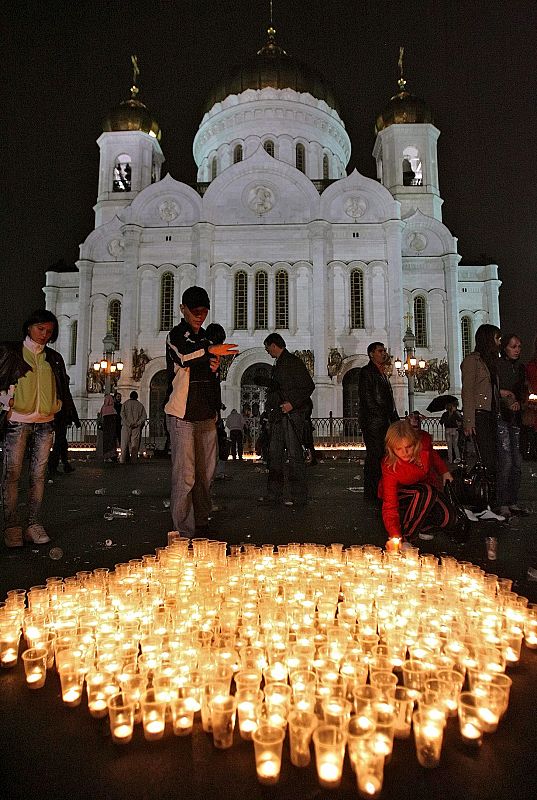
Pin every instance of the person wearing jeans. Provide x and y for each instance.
(511, 374)
(191, 412)
(33, 387)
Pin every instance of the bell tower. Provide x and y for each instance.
(130, 157)
(406, 151)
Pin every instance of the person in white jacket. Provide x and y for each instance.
(133, 417)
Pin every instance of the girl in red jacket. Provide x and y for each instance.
(413, 475)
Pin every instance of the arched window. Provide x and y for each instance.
(72, 342)
(420, 321)
(269, 147)
(466, 336)
(412, 170)
(300, 158)
(326, 168)
(357, 299)
(214, 168)
(282, 300)
(237, 154)
(166, 302)
(122, 174)
(241, 301)
(261, 301)
(113, 325)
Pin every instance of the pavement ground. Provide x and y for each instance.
(73, 515)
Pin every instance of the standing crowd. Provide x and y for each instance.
(403, 473)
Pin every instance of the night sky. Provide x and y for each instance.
(68, 63)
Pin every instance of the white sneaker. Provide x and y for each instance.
(471, 516)
(36, 534)
(488, 513)
(426, 537)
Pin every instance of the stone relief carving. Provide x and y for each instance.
(225, 363)
(168, 210)
(417, 241)
(308, 358)
(335, 361)
(434, 378)
(260, 199)
(116, 248)
(355, 207)
(139, 362)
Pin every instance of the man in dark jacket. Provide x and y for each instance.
(288, 401)
(377, 412)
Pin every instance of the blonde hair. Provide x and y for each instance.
(400, 432)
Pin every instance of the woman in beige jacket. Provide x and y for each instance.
(480, 394)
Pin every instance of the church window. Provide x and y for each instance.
(412, 169)
(326, 168)
(466, 336)
(282, 300)
(166, 302)
(269, 147)
(237, 154)
(420, 321)
(357, 299)
(261, 301)
(122, 174)
(300, 158)
(72, 342)
(214, 168)
(241, 301)
(114, 320)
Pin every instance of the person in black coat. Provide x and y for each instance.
(377, 412)
(287, 405)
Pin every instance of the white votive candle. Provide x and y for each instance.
(369, 786)
(72, 697)
(471, 734)
(268, 771)
(153, 729)
(36, 678)
(98, 708)
(329, 774)
(122, 734)
(9, 657)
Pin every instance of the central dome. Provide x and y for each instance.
(273, 67)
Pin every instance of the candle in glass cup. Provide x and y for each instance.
(329, 742)
(35, 667)
(268, 742)
(470, 724)
(153, 716)
(121, 713)
(223, 713)
(71, 683)
(301, 726)
(428, 734)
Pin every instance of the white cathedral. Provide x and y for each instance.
(282, 239)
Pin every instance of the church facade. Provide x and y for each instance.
(281, 237)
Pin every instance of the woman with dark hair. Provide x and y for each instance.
(512, 381)
(529, 414)
(108, 423)
(33, 387)
(481, 396)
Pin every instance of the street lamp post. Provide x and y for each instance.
(411, 366)
(107, 371)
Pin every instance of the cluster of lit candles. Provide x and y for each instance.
(349, 649)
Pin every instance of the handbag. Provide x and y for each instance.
(461, 530)
(473, 486)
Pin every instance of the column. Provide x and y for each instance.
(320, 253)
(393, 229)
(453, 347)
(85, 271)
(129, 305)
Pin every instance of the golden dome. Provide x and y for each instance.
(404, 108)
(272, 66)
(132, 114)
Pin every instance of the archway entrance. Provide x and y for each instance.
(351, 401)
(158, 391)
(254, 383)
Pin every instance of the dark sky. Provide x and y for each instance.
(65, 65)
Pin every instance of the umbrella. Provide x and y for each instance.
(440, 403)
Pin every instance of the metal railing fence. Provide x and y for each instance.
(336, 432)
